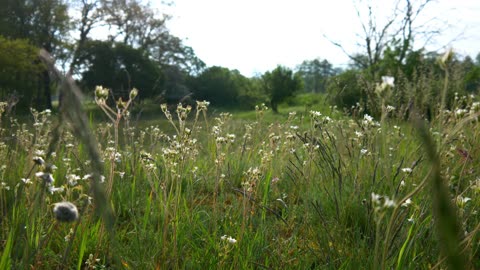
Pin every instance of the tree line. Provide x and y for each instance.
(140, 52)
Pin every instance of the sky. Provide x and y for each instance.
(254, 36)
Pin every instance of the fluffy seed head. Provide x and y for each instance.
(65, 212)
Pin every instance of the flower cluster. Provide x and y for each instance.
(101, 94)
(381, 202)
(252, 176)
(202, 105)
(383, 89)
(229, 239)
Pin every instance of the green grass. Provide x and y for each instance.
(295, 191)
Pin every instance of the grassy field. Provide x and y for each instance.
(196, 188)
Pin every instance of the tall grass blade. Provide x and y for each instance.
(446, 220)
(81, 252)
(5, 261)
(401, 260)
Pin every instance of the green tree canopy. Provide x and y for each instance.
(280, 84)
(119, 67)
(218, 85)
(45, 24)
(19, 70)
(315, 74)
(141, 27)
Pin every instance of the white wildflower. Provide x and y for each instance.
(315, 114)
(53, 189)
(47, 177)
(389, 203)
(228, 239)
(26, 181)
(72, 179)
(461, 201)
(375, 198)
(390, 108)
(407, 202)
(388, 81)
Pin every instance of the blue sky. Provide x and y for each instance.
(254, 36)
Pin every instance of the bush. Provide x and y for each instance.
(345, 89)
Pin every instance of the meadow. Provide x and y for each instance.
(193, 188)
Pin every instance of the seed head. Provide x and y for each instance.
(65, 212)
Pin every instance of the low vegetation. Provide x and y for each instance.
(200, 190)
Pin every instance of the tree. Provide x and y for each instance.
(345, 90)
(218, 85)
(17, 67)
(397, 34)
(140, 27)
(91, 15)
(45, 24)
(471, 76)
(315, 74)
(280, 84)
(175, 88)
(119, 67)
(140, 43)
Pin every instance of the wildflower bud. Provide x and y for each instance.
(163, 107)
(133, 93)
(3, 105)
(446, 58)
(461, 201)
(202, 105)
(121, 104)
(65, 212)
(101, 93)
(98, 91)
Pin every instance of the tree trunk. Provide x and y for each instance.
(274, 106)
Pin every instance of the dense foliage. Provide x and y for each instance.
(19, 74)
(120, 67)
(227, 88)
(280, 84)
